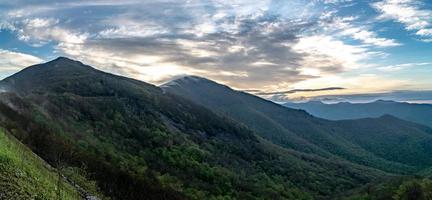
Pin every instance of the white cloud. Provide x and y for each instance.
(326, 54)
(408, 12)
(151, 68)
(344, 26)
(40, 23)
(425, 32)
(125, 27)
(398, 67)
(335, 1)
(39, 31)
(28, 9)
(241, 7)
(11, 62)
(353, 85)
(369, 37)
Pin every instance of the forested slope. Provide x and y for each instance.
(387, 143)
(137, 142)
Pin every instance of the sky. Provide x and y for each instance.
(282, 50)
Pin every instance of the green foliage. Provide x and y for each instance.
(400, 188)
(414, 190)
(80, 177)
(25, 176)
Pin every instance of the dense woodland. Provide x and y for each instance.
(119, 138)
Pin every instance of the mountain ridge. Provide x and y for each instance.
(295, 125)
(133, 139)
(414, 112)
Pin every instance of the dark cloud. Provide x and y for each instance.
(264, 55)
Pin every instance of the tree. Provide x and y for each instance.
(411, 190)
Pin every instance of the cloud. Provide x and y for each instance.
(270, 45)
(39, 23)
(335, 1)
(412, 96)
(408, 12)
(261, 93)
(356, 83)
(398, 67)
(11, 62)
(39, 31)
(352, 84)
(345, 26)
(369, 37)
(325, 54)
(253, 50)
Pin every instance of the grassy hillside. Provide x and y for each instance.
(23, 175)
(133, 140)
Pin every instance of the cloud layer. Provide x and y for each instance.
(410, 13)
(265, 44)
(12, 62)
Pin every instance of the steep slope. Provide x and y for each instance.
(389, 138)
(137, 142)
(419, 113)
(399, 188)
(251, 110)
(297, 129)
(23, 175)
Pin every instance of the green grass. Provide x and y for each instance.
(23, 175)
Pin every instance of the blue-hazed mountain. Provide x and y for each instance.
(419, 113)
(386, 143)
(132, 140)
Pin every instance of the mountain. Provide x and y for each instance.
(418, 113)
(131, 140)
(386, 143)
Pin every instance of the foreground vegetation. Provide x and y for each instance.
(23, 175)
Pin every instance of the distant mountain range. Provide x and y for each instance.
(113, 137)
(413, 96)
(419, 113)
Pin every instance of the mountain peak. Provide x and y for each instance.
(317, 102)
(43, 75)
(62, 58)
(64, 61)
(187, 80)
(192, 78)
(384, 101)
